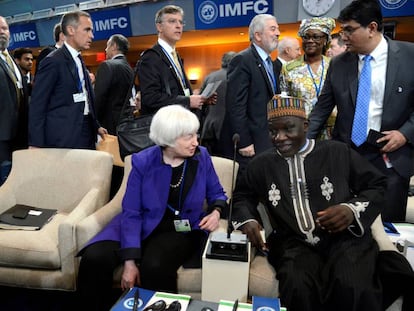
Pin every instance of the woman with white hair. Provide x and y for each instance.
(162, 224)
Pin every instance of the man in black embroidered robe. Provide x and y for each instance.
(322, 198)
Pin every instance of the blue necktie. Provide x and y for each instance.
(360, 124)
(270, 72)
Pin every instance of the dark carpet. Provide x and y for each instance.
(22, 299)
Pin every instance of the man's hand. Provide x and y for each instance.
(212, 100)
(102, 132)
(197, 101)
(252, 230)
(395, 140)
(247, 151)
(335, 218)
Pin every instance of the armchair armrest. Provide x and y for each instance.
(7, 197)
(378, 232)
(66, 232)
(87, 228)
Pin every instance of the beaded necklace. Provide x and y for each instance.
(180, 180)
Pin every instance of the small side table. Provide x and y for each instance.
(224, 279)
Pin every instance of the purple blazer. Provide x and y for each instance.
(145, 199)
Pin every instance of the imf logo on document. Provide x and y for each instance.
(265, 309)
(129, 303)
(207, 12)
(392, 4)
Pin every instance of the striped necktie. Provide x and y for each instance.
(8, 59)
(12, 73)
(178, 67)
(360, 124)
(176, 61)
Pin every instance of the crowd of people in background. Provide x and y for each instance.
(296, 117)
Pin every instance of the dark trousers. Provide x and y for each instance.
(5, 151)
(88, 135)
(396, 195)
(339, 275)
(5, 160)
(162, 254)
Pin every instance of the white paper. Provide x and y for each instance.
(210, 88)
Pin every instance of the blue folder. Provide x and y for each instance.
(126, 301)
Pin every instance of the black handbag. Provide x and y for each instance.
(133, 130)
(133, 134)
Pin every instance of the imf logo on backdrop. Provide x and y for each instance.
(207, 12)
(265, 309)
(11, 41)
(392, 4)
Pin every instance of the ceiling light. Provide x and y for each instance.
(23, 17)
(89, 5)
(42, 13)
(120, 2)
(62, 9)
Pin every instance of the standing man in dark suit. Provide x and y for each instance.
(113, 80)
(161, 72)
(59, 39)
(13, 103)
(390, 108)
(214, 114)
(24, 59)
(62, 113)
(251, 83)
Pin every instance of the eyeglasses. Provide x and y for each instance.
(174, 21)
(348, 31)
(315, 38)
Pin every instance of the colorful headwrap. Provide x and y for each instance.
(324, 24)
(280, 106)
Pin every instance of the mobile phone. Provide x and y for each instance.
(372, 138)
(21, 212)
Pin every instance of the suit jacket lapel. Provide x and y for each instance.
(167, 62)
(70, 63)
(352, 66)
(259, 64)
(6, 68)
(392, 70)
(187, 83)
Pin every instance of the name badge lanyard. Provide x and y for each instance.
(82, 88)
(271, 76)
(179, 73)
(177, 212)
(317, 88)
(80, 82)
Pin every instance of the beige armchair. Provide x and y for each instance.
(76, 183)
(189, 280)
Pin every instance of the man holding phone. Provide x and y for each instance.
(389, 109)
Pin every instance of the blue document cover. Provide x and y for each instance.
(126, 301)
(265, 304)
